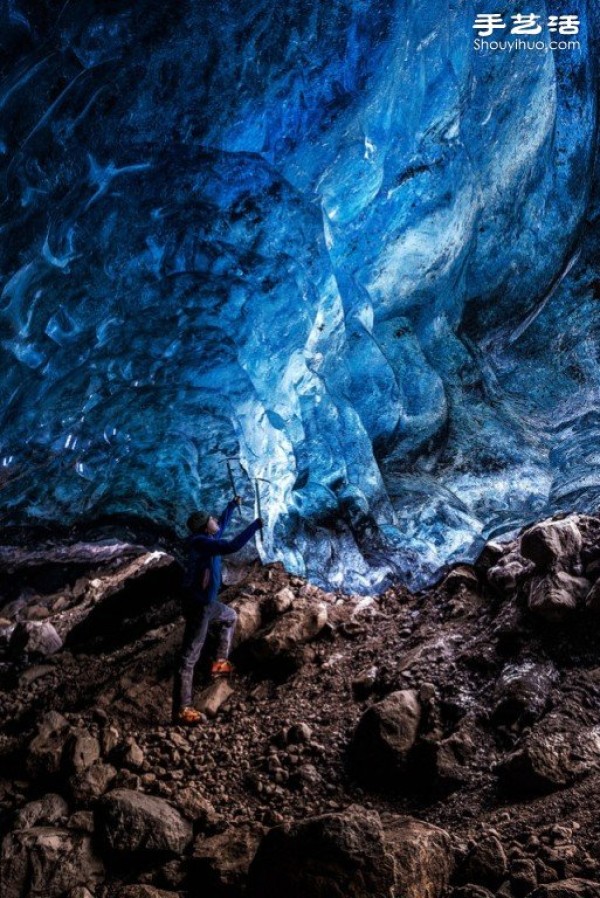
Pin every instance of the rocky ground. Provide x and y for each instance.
(416, 746)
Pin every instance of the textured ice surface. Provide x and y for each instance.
(330, 239)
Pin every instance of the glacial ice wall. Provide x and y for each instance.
(332, 241)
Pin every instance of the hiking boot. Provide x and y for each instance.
(189, 717)
(221, 669)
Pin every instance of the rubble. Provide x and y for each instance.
(445, 745)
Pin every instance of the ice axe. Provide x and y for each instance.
(258, 508)
(232, 481)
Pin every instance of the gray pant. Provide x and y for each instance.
(198, 620)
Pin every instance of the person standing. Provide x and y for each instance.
(201, 608)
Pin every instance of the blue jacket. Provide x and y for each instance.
(202, 577)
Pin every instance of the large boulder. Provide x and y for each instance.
(454, 753)
(555, 596)
(491, 554)
(552, 543)
(463, 576)
(133, 821)
(47, 862)
(551, 760)
(523, 692)
(422, 856)
(123, 601)
(81, 751)
(48, 810)
(220, 863)
(384, 737)
(331, 856)
(279, 648)
(279, 602)
(506, 575)
(249, 618)
(523, 875)
(34, 638)
(352, 854)
(92, 782)
(486, 863)
(45, 753)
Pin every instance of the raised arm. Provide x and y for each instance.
(226, 517)
(215, 546)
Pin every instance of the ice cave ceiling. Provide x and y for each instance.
(329, 239)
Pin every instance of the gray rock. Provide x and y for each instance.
(556, 595)
(81, 751)
(49, 810)
(491, 554)
(92, 782)
(331, 855)
(195, 807)
(462, 575)
(82, 820)
(523, 876)
(551, 760)
(308, 774)
(212, 698)
(384, 737)
(280, 647)
(523, 692)
(427, 694)
(486, 864)
(221, 862)
(133, 756)
(109, 739)
(280, 602)
(249, 618)
(133, 821)
(365, 682)
(37, 672)
(47, 862)
(100, 609)
(17, 559)
(505, 890)
(508, 573)
(422, 856)
(34, 638)
(298, 732)
(453, 754)
(44, 756)
(549, 543)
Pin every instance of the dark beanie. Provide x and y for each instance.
(198, 520)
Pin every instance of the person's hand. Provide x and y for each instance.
(237, 500)
(259, 521)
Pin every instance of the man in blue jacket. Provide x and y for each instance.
(201, 583)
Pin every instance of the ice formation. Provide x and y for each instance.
(332, 240)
